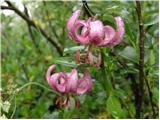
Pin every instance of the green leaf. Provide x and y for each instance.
(151, 18)
(155, 95)
(147, 56)
(73, 49)
(129, 53)
(120, 93)
(63, 61)
(114, 107)
(156, 21)
(152, 58)
(132, 109)
(53, 115)
(129, 33)
(113, 7)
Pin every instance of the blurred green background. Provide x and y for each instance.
(26, 54)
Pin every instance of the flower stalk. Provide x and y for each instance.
(141, 60)
(106, 78)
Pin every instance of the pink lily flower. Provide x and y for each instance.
(69, 83)
(94, 32)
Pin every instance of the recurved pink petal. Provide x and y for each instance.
(58, 82)
(96, 31)
(71, 22)
(82, 38)
(85, 29)
(109, 36)
(84, 84)
(88, 78)
(119, 31)
(72, 79)
(113, 37)
(50, 69)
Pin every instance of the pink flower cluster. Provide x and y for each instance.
(69, 83)
(94, 32)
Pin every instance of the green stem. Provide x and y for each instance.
(38, 84)
(15, 106)
(141, 61)
(27, 84)
(106, 76)
(87, 9)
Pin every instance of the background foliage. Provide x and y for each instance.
(25, 57)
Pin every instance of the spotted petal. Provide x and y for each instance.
(96, 31)
(119, 31)
(81, 38)
(71, 23)
(109, 36)
(58, 82)
(50, 69)
(72, 80)
(84, 84)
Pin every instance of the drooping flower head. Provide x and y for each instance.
(94, 32)
(69, 83)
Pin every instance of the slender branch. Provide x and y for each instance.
(59, 50)
(141, 60)
(37, 84)
(6, 7)
(8, 2)
(87, 9)
(52, 27)
(50, 24)
(31, 23)
(31, 32)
